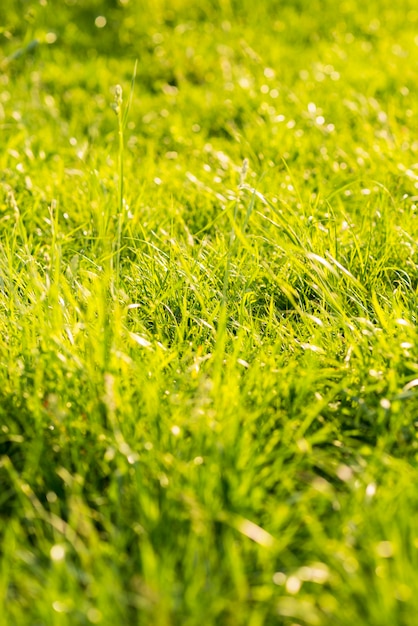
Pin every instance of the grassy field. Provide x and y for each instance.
(208, 299)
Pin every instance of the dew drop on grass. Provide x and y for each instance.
(100, 21)
(50, 38)
(59, 607)
(164, 482)
(370, 490)
(344, 473)
(293, 585)
(385, 549)
(109, 454)
(57, 553)
(317, 573)
(279, 578)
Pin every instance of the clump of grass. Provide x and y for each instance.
(208, 370)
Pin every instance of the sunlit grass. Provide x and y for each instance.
(208, 345)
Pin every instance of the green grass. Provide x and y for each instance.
(208, 342)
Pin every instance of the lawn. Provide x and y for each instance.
(208, 301)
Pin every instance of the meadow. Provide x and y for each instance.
(208, 300)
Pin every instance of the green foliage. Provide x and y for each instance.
(208, 343)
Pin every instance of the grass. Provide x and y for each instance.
(208, 343)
